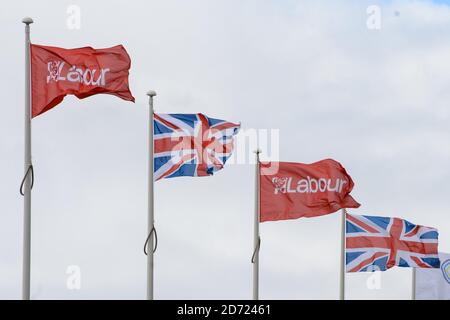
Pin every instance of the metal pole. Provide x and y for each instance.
(151, 219)
(342, 265)
(256, 238)
(27, 182)
(413, 290)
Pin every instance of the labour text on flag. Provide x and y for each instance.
(296, 190)
(83, 72)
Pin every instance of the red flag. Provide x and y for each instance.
(294, 190)
(83, 72)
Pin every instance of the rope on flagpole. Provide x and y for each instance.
(258, 246)
(148, 238)
(30, 169)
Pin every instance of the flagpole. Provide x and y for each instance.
(413, 291)
(342, 264)
(27, 182)
(256, 238)
(151, 219)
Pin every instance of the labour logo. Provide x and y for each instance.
(445, 267)
(280, 184)
(54, 70)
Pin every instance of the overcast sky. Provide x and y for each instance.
(376, 100)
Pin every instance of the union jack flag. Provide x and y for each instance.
(379, 243)
(191, 144)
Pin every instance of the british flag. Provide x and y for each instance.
(191, 144)
(379, 243)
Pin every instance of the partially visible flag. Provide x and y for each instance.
(191, 144)
(379, 243)
(434, 284)
(83, 72)
(298, 190)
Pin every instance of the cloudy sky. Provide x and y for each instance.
(377, 100)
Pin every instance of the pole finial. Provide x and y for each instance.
(151, 93)
(27, 20)
(257, 151)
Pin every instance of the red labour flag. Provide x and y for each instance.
(294, 190)
(83, 72)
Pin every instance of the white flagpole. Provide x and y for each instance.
(151, 219)
(413, 290)
(256, 238)
(342, 269)
(27, 182)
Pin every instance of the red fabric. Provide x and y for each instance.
(295, 190)
(83, 72)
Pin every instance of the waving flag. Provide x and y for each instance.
(434, 284)
(379, 243)
(298, 190)
(191, 144)
(83, 72)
